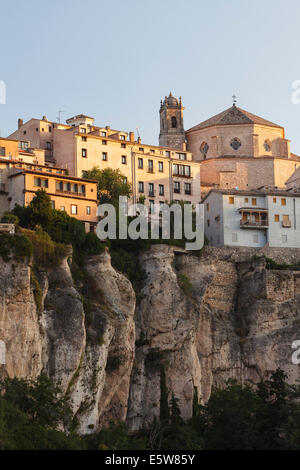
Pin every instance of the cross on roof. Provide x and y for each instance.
(234, 99)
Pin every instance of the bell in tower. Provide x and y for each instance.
(171, 123)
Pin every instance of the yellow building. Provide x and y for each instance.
(22, 174)
(158, 173)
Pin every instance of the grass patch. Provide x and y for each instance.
(185, 284)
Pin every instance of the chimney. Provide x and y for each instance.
(139, 140)
(44, 118)
(131, 136)
(20, 123)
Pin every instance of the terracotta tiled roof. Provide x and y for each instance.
(233, 115)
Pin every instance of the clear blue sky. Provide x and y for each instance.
(116, 60)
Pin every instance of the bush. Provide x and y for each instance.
(9, 218)
(17, 247)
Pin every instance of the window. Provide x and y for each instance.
(123, 146)
(83, 138)
(103, 134)
(284, 239)
(276, 218)
(151, 207)
(150, 166)
(151, 189)
(24, 132)
(187, 188)
(104, 142)
(122, 137)
(125, 180)
(41, 182)
(204, 147)
(141, 186)
(161, 166)
(208, 222)
(176, 187)
(82, 130)
(124, 159)
(48, 145)
(168, 154)
(235, 143)
(174, 122)
(73, 209)
(234, 237)
(254, 202)
(62, 208)
(52, 204)
(181, 156)
(84, 153)
(207, 206)
(152, 151)
(283, 202)
(246, 199)
(140, 163)
(88, 210)
(231, 200)
(104, 156)
(141, 149)
(2, 151)
(161, 190)
(274, 200)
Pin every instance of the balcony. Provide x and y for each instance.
(178, 175)
(70, 193)
(150, 170)
(253, 218)
(151, 193)
(286, 223)
(188, 192)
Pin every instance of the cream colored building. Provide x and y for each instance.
(156, 172)
(23, 172)
(252, 218)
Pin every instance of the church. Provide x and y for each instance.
(236, 149)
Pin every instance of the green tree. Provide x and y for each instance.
(111, 184)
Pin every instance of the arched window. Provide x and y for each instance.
(2, 352)
(174, 122)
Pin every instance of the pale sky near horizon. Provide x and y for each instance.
(116, 60)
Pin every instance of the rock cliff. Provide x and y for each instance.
(198, 322)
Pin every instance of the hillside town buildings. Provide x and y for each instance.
(226, 156)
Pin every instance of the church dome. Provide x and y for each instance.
(171, 100)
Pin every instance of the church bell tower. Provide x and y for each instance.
(171, 123)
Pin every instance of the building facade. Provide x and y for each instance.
(157, 173)
(238, 149)
(252, 218)
(23, 172)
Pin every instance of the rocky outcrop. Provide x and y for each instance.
(231, 319)
(199, 322)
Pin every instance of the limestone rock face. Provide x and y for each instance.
(19, 325)
(199, 322)
(236, 320)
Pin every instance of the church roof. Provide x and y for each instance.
(295, 176)
(233, 115)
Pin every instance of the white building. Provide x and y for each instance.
(252, 218)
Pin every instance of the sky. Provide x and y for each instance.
(116, 60)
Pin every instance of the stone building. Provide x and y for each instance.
(237, 149)
(171, 123)
(23, 172)
(158, 173)
(252, 218)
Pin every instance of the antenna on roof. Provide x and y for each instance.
(59, 113)
(138, 133)
(234, 99)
